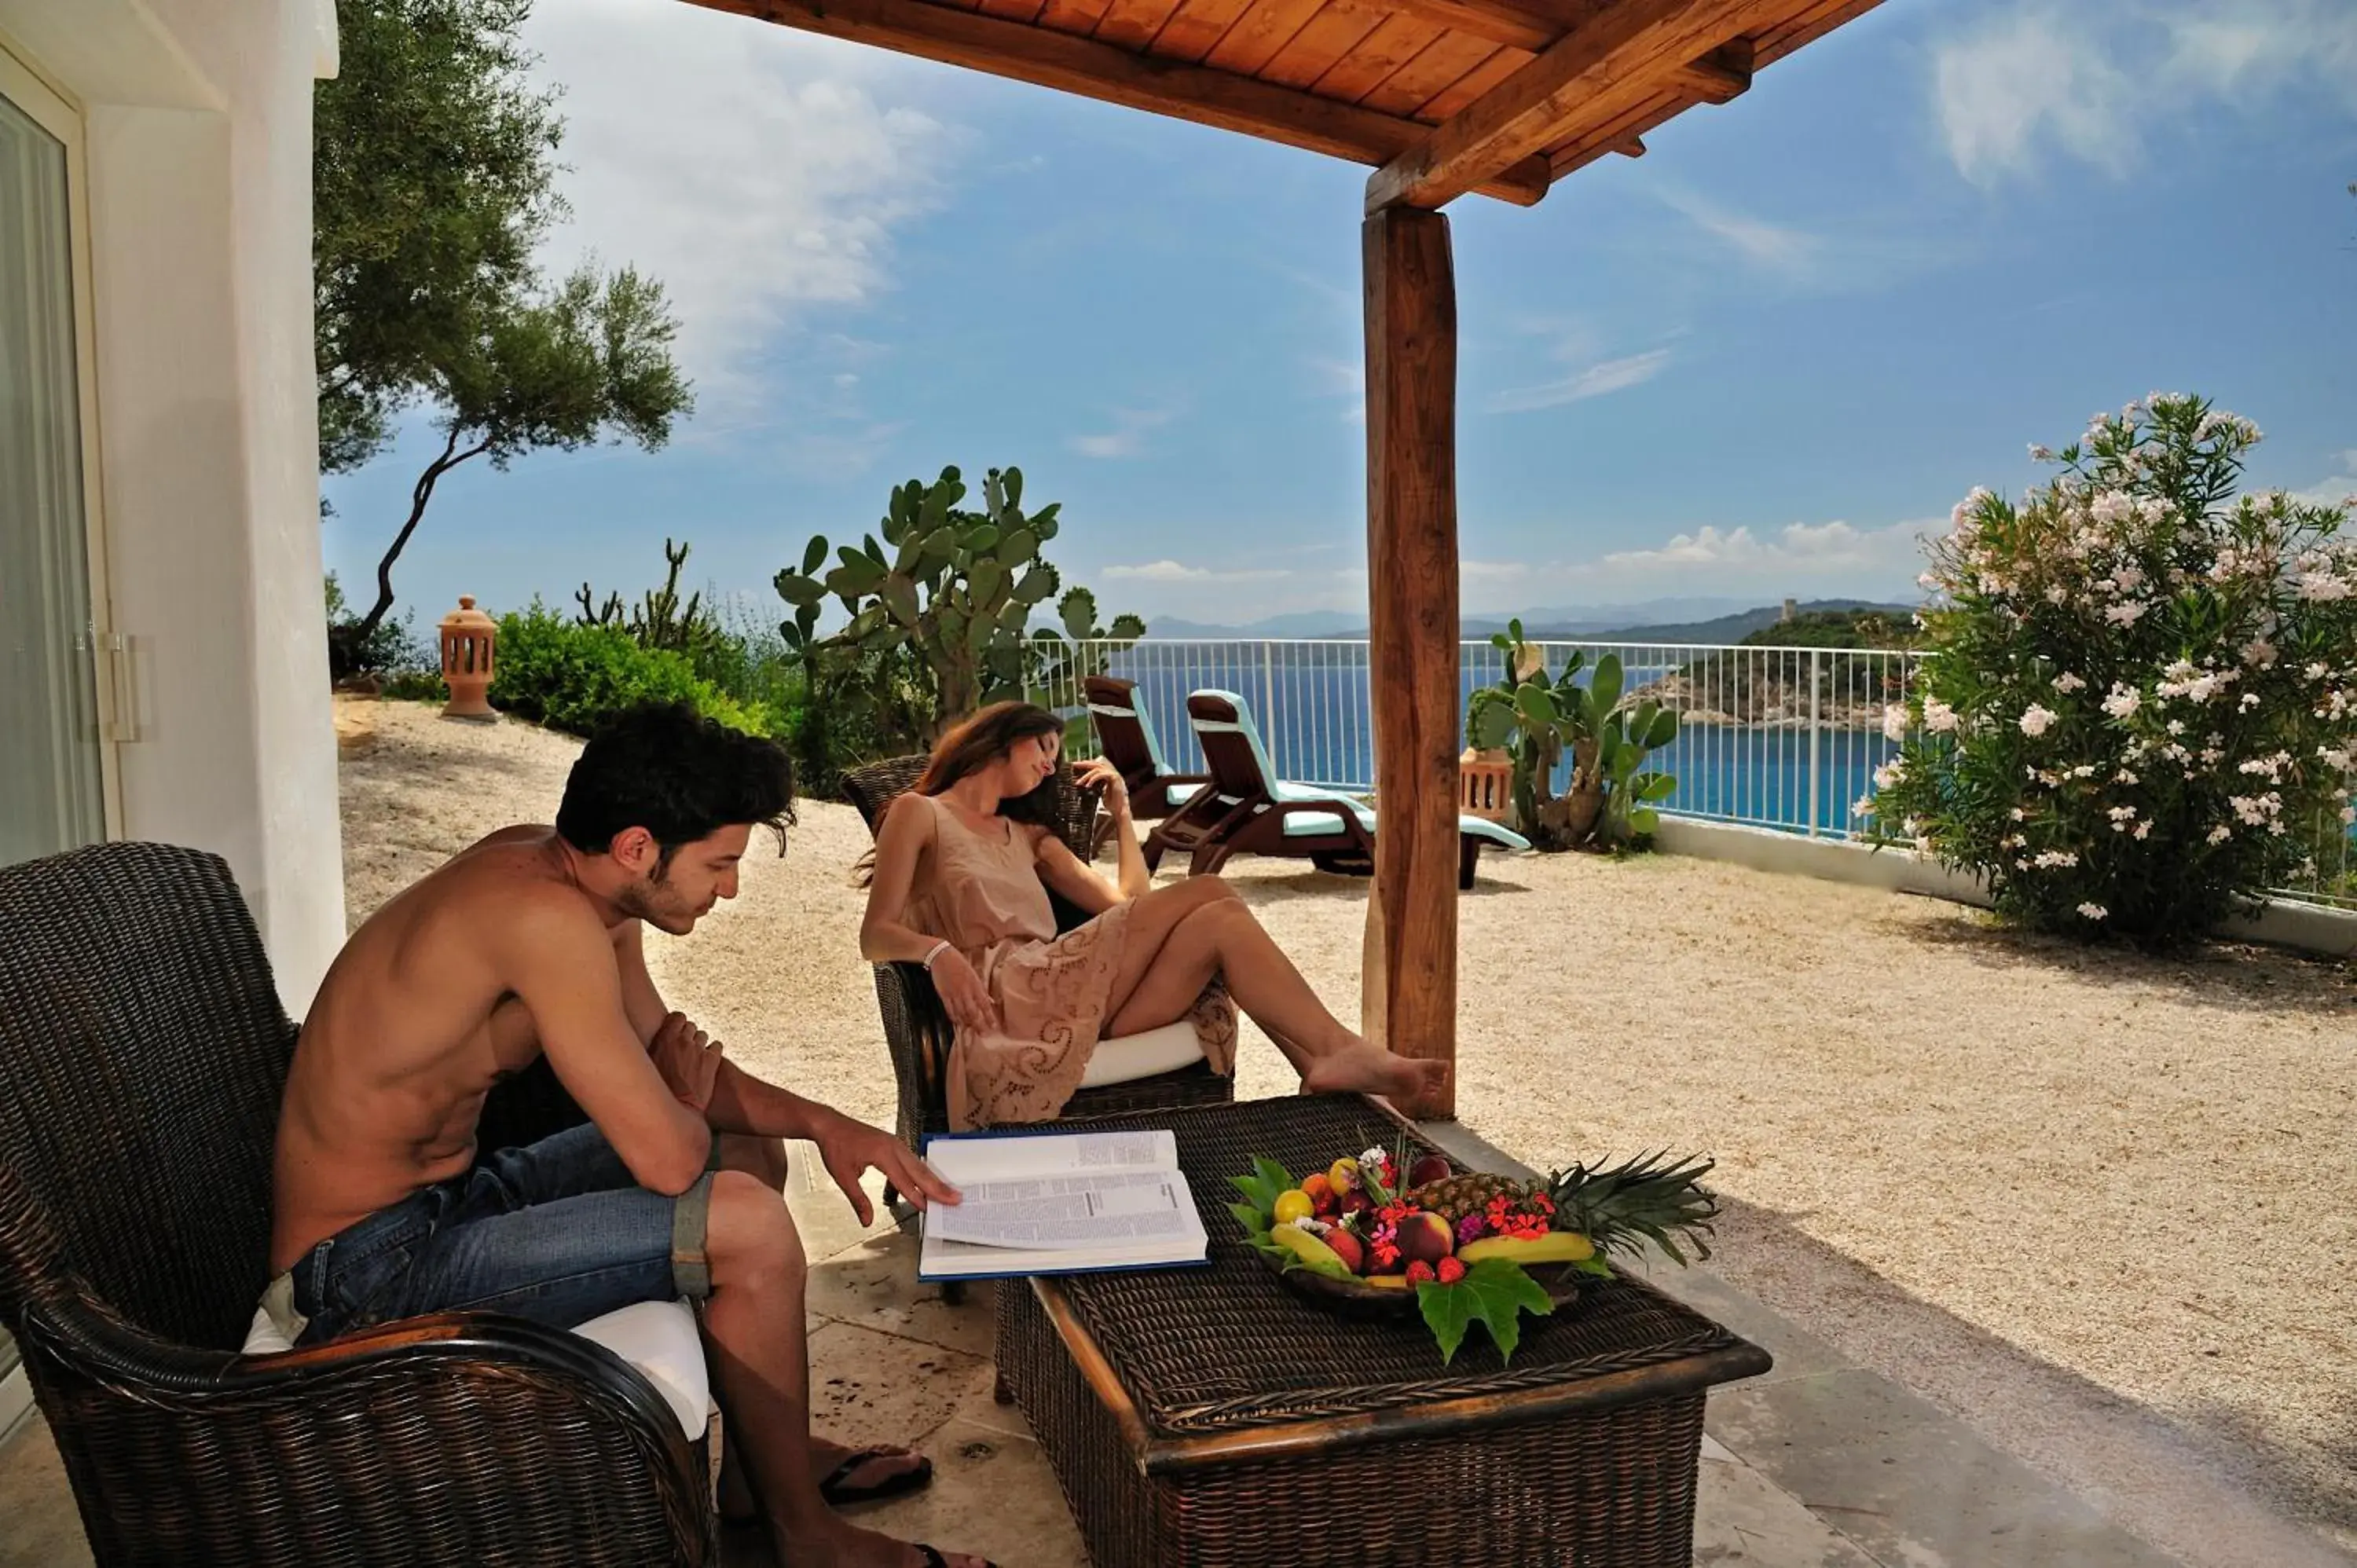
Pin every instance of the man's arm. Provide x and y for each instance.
(558, 959)
(640, 1000)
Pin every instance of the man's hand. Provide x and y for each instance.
(963, 996)
(850, 1148)
(1096, 771)
(689, 1060)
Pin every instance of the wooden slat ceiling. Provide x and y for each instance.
(1442, 97)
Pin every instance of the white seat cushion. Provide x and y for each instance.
(1134, 1057)
(658, 1337)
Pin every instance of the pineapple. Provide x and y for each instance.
(1454, 1198)
(1651, 1198)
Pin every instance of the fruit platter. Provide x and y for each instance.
(1398, 1233)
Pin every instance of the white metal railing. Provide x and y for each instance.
(1776, 738)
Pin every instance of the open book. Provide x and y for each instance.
(1058, 1203)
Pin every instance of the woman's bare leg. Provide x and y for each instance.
(1176, 944)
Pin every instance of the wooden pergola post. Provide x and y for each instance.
(1410, 998)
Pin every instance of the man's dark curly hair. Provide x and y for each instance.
(681, 776)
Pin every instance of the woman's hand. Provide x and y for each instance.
(1096, 771)
(962, 992)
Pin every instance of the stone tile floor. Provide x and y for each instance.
(1888, 1481)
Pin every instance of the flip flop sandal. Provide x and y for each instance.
(933, 1558)
(838, 1491)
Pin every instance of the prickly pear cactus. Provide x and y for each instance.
(1611, 799)
(958, 586)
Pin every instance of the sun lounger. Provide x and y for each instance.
(1247, 810)
(1125, 738)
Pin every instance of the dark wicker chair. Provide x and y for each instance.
(917, 1028)
(142, 1051)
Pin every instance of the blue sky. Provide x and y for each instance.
(1751, 364)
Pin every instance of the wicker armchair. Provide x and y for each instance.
(917, 1026)
(142, 1051)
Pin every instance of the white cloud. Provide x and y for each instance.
(1760, 566)
(1799, 549)
(1174, 572)
(1590, 381)
(1770, 245)
(1127, 438)
(2043, 79)
(2335, 490)
(755, 170)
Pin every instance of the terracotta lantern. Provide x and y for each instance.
(468, 635)
(1487, 784)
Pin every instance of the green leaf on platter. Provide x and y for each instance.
(1254, 1220)
(1493, 1292)
(1257, 1192)
(1268, 1170)
(1593, 1265)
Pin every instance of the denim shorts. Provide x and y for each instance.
(558, 1231)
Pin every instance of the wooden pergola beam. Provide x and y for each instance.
(1719, 77)
(1087, 69)
(1617, 57)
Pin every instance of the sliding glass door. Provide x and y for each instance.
(53, 762)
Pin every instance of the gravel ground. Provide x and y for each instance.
(2050, 1188)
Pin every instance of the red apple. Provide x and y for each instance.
(1424, 1237)
(1429, 1169)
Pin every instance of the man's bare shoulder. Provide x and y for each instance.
(506, 881)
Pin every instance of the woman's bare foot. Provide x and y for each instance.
(842, 1546)
(1364, 1069)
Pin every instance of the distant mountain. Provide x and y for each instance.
(1648, 620)
(1729, 628)
(1298, 623)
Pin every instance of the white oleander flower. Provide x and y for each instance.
(2040, 454)
(2127, 614)
(1862, 807)
(2123, 703)
(1938, 717)
(2035, 720)
(2259, 651)
(2142, 829)
(2066, 681)
(1894, 722)
(2094, 911)
(2221, 833)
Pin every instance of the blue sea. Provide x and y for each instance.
(1311, 703)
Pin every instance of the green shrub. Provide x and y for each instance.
(2140, 703)
(570, 677)
(392, 649)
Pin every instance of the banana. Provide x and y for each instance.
(1314, 1254)
(1555, 1247)
(1388, 1282)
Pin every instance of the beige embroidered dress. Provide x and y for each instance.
(981, 892)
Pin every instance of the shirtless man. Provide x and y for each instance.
(528, 943)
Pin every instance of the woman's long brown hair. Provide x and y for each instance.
(975, 745)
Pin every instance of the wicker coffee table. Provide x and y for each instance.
(1206, 1417)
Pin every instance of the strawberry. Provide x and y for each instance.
(1451, 1270)
(1419, 1271)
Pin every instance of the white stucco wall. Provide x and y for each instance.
(198, 132)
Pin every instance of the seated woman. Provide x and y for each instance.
(959, 881)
